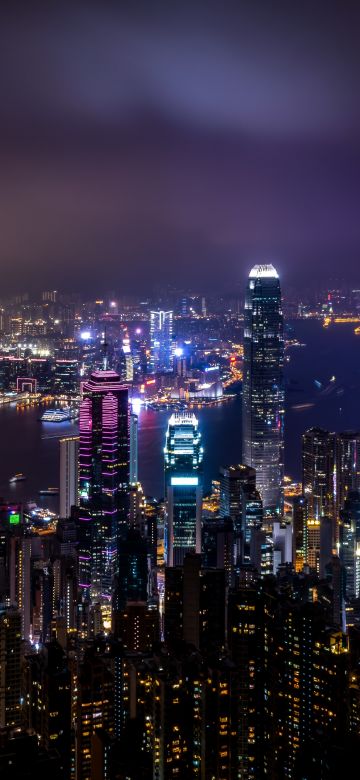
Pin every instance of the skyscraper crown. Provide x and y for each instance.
(263, 272)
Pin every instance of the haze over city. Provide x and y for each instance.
(144, 141)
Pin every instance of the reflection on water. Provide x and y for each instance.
(32, 447)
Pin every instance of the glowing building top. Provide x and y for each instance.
(263, 272)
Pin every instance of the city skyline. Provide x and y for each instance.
(179, 391)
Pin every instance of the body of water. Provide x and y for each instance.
(323, 388)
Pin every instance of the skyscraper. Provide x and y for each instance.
(104, 480)
(183, 486)
(69, 474)
(347, 466)
(133, 448)
(10, 668)
(161, 330)
(318, 472)
(263, 387)
(233, 479)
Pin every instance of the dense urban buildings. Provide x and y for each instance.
(194, 630)
(263, 386)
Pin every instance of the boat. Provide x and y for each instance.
(18, 478)
(59, 415)
(50, 491)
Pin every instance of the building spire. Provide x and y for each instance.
(105, 352)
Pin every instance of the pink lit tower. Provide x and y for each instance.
(104, 481)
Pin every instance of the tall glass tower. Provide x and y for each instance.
(263, 386)
(103, 481)
(183, 487)
(161, 332)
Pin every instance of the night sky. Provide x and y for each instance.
(178, 143)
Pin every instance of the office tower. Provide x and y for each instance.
(233, 480)
(326, 545)
(134, 423)
(66, 377)
(347, 466)
(350, 543)
(252, 518)
(263, 386)
(161, 347)
(318, 472)
(69, 474)
(195, 603)
(133, 575)
(282, 544)
(218, 546)
(104, 480)
(10, 668)
(183, 486)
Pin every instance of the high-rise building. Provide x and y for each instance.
(50, 701)
(134, 422)
(95, 708)
(161, 347)
(263, 386)
(183, 486)
(104, 480)
(233, 479)
(347, 466)
(69, 474)
(195, 603)
(10, 668)
(350, 543)
(318, 472)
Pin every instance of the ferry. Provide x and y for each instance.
(59, 415)
(50, 491)
(17, 478)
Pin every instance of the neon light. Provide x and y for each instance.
(182, 481)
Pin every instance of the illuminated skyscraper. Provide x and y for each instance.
(134, 422)
(318, 472)
(104, 480)
(161, 351)
(263, 387)
(183, 485)
(347, 465)
(69, 474)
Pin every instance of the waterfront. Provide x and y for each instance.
(311, 399)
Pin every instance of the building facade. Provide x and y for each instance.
(161, 348)
(263, 386)
(104, 480)
(183, 486)
(69, 474)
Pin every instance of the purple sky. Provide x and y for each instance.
(178, 144)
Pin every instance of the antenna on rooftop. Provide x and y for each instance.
(105, 352)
